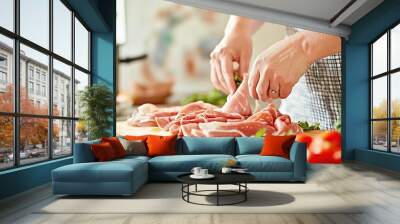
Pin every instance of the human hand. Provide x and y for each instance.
(277, 69)
(234, 47)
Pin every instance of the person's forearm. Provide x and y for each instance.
(318, 45)
(241, 25)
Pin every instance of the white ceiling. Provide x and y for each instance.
(328, 16)
(321, 9)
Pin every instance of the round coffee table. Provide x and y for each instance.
(238, 179)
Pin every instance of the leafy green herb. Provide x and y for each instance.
(214, 97)
(238, 80)
(260, 132)
(308, 127)
(338, 125)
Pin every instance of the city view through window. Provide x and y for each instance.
(385, 94)
(42, 70)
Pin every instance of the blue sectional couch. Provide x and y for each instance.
(125, 176)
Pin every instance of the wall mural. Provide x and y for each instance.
(189, 72)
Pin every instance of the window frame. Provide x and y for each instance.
(388, 74)
(16, 114)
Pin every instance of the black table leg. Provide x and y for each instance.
(245, 193)
(195, 188)
(217, 194)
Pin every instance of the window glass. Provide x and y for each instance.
(395, 47)
(62, 29)
(81, 82)
(379, 135)
(379, 56)
(6, 142)
(81, 45)
(81, 131)
(33, 140)
(7, 14)
(395, 94)
(395, 136)
(34, 21)
(62, 138)
(39, 62)
(379, 97)
(6, 74)
(62, 89)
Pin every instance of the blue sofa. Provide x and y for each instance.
(125, 176)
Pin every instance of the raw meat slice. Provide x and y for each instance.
(244, 128)
(284, 126)
(187, 129)
(196, 106)
(200, 119)
(239, 102)
(263, 116)
(162, 122)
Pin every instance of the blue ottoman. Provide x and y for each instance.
(118, 177)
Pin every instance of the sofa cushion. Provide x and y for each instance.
(257, 163)
(83, 152)
(277, 145)
(185, 163)
(112, 171)
(196, 146)
(134, 147)
(161, 145)
(116, 145)
(103, 152)
(249, 145)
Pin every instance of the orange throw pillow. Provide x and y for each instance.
(161, 145)
(277, 145)
(116, 145)
(103, 152)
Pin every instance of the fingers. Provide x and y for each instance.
(227, 73)
(263, 86)
(254, 76)
(273, 91)
(220, 77)
(284, 91)
(214, 79)
(244, 63)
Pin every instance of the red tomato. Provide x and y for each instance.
(304, 138)
(324, 147)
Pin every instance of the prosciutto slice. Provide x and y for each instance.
(239, 101)
(201, 119)
(237, 129)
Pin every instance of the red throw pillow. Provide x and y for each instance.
(116, 145)
(277, 145)
(161, 145)
(103, 152)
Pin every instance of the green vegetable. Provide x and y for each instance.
(238, 80)
(214, 97)
(308, 127)
(338, 126)
(260, 132)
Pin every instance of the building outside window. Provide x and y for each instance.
(385, 94)
(38, 89)
(58, 125)
(30, 87)
(30, 72)
(3, 72)
(44, 91)
(37, 74)
(44, 77)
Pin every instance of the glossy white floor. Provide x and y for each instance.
(377, 188)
